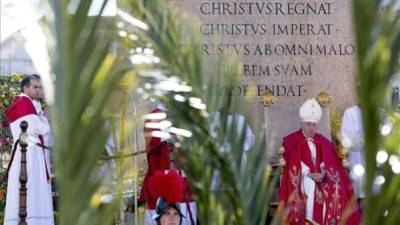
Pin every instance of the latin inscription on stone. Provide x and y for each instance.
(292, 48)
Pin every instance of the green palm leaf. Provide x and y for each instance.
(86, 72)
(242, 197)
(378, 35)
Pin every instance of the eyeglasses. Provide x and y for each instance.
(310, 124)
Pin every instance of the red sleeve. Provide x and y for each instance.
(22, 106)
(283, 188)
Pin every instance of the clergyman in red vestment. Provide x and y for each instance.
(315, 188)
(39, 197)
(159, 160)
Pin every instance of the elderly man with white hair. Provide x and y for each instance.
(315, 188)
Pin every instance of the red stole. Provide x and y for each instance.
(314, 168)
(22, 106)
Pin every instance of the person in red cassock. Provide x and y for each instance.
(159, 159)
(39, 198)
(315, 188)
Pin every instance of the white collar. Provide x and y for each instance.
(23, 94)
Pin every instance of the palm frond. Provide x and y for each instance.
(86, 72)
(242, 197)
(377, 33)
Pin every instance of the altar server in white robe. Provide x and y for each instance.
(242, 128)
(39, 198)
(353, 138)
(43, 115)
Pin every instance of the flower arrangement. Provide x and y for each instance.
(9, 88)
(3, 192)
(335, 119)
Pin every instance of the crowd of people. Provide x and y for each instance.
(314, 189)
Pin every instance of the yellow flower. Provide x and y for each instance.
(18, 78)
(96, 200)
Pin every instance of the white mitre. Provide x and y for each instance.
(310, 111)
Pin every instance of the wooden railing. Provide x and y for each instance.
(23, 175)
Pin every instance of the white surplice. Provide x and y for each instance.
(352, 128)
(249, 139)
(39, 198)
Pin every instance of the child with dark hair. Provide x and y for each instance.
(167, 214)
(168, 186)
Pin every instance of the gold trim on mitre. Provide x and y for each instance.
(267, 99)
(324, 99)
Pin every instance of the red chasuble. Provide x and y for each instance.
(335, 191)
(22, 106)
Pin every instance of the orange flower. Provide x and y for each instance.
(2, 194)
